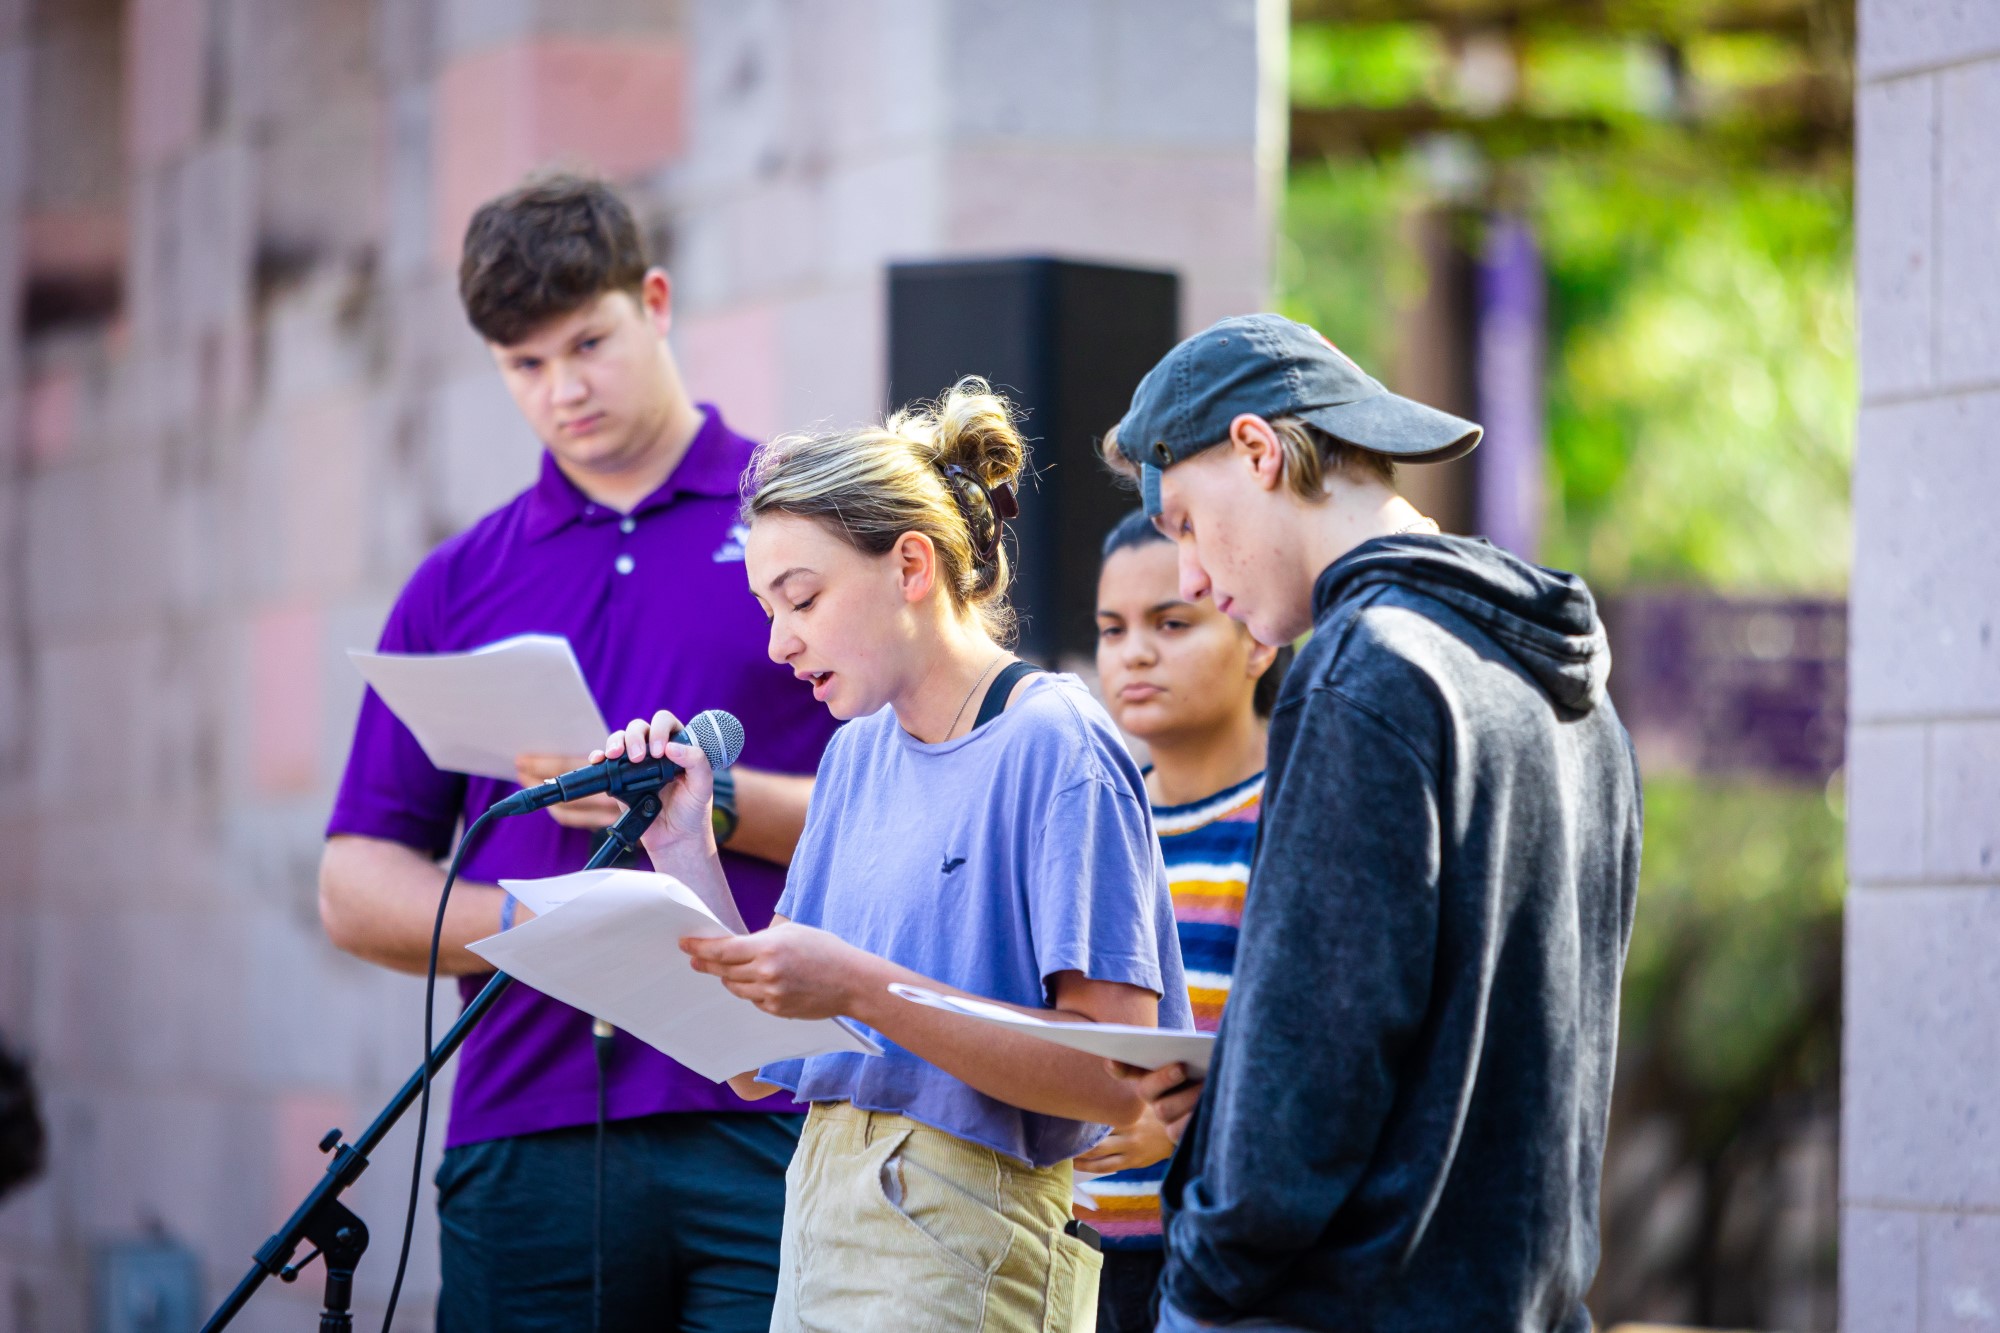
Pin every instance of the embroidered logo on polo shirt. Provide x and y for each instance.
(952, 863)
(732, 545)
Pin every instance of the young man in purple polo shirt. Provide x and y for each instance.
(632, 525)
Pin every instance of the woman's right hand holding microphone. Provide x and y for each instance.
(686, 826)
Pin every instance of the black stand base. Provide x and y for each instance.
(336, 1234)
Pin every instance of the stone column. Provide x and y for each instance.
(1920, 1239)
(828, 138)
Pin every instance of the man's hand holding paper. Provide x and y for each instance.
(589, 813)
(479, 712)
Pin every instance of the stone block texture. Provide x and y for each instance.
(1968, 229)
(213, 486)
(1920, 1190)
(1921, 975)
(1895, 225)
(1886, 810)
(826, 140)
(1902, 36)
(1880, 1251)
(1927, 560)
(612, 105)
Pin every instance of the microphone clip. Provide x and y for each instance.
(630, 827)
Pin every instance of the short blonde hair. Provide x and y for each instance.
(931, 468)
(1311, 456)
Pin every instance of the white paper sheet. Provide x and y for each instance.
(608, 942)
(1148, 1048)
(474, 712)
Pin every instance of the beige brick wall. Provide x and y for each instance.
(1921, 1101)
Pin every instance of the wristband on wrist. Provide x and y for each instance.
(724, 807)
(507, 913)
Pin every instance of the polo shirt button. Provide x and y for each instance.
(627, 524)
(623, 564)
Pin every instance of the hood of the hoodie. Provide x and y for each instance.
(1545, 619)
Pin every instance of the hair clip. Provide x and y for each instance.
(1004, 503)
(1000, 502)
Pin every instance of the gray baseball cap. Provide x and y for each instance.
(1273, 367)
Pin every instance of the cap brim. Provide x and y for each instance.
(1406, 430)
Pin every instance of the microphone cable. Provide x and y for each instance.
(424, 1102)
(722, 740)
(603, 1037)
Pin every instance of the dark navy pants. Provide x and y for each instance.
(1128, 1291)
(693, 1206)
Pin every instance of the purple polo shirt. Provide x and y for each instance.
(656, 606)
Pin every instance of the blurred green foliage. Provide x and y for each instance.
(1375, 65)
(1343, 264)
(1702, 388)
(1618, 77)
(1728, 1064)
(1702, 384)
(1607, 76)
(1735, 947)
(1739, 61)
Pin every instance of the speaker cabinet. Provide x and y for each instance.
(1067, 343)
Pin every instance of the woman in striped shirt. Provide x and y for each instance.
(1194, 687)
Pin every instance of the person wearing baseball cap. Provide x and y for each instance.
(1403, 1123)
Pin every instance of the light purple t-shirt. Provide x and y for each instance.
(660, 614)
(990, 862)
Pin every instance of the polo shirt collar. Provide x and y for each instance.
(711, 467)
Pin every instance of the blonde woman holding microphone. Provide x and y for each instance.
(978, 828)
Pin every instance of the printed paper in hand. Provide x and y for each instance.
(474, 712)
(1148, 1048)
(608, 942)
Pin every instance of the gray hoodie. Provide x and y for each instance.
(1404, 1125)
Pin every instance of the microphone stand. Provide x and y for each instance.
(337, 1236)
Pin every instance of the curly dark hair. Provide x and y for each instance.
(543, 250)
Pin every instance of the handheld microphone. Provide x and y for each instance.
(719, 735)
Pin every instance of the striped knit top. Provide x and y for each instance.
(1207, 846)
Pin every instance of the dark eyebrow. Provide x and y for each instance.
(779, 581)
(1169, 605)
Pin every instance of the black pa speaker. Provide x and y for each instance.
(1067, 343)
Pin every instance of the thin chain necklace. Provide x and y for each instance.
(968, 696)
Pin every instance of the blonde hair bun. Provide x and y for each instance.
(972, 426)
(930, 468)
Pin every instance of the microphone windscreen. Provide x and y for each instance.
(719, 735)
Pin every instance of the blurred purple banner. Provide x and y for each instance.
(1512, 457)
(1744, 686)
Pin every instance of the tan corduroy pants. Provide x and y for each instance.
(893, 1225)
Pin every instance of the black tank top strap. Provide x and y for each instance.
(995, 702)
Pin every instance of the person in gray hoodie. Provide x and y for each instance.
(1403, 1123)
